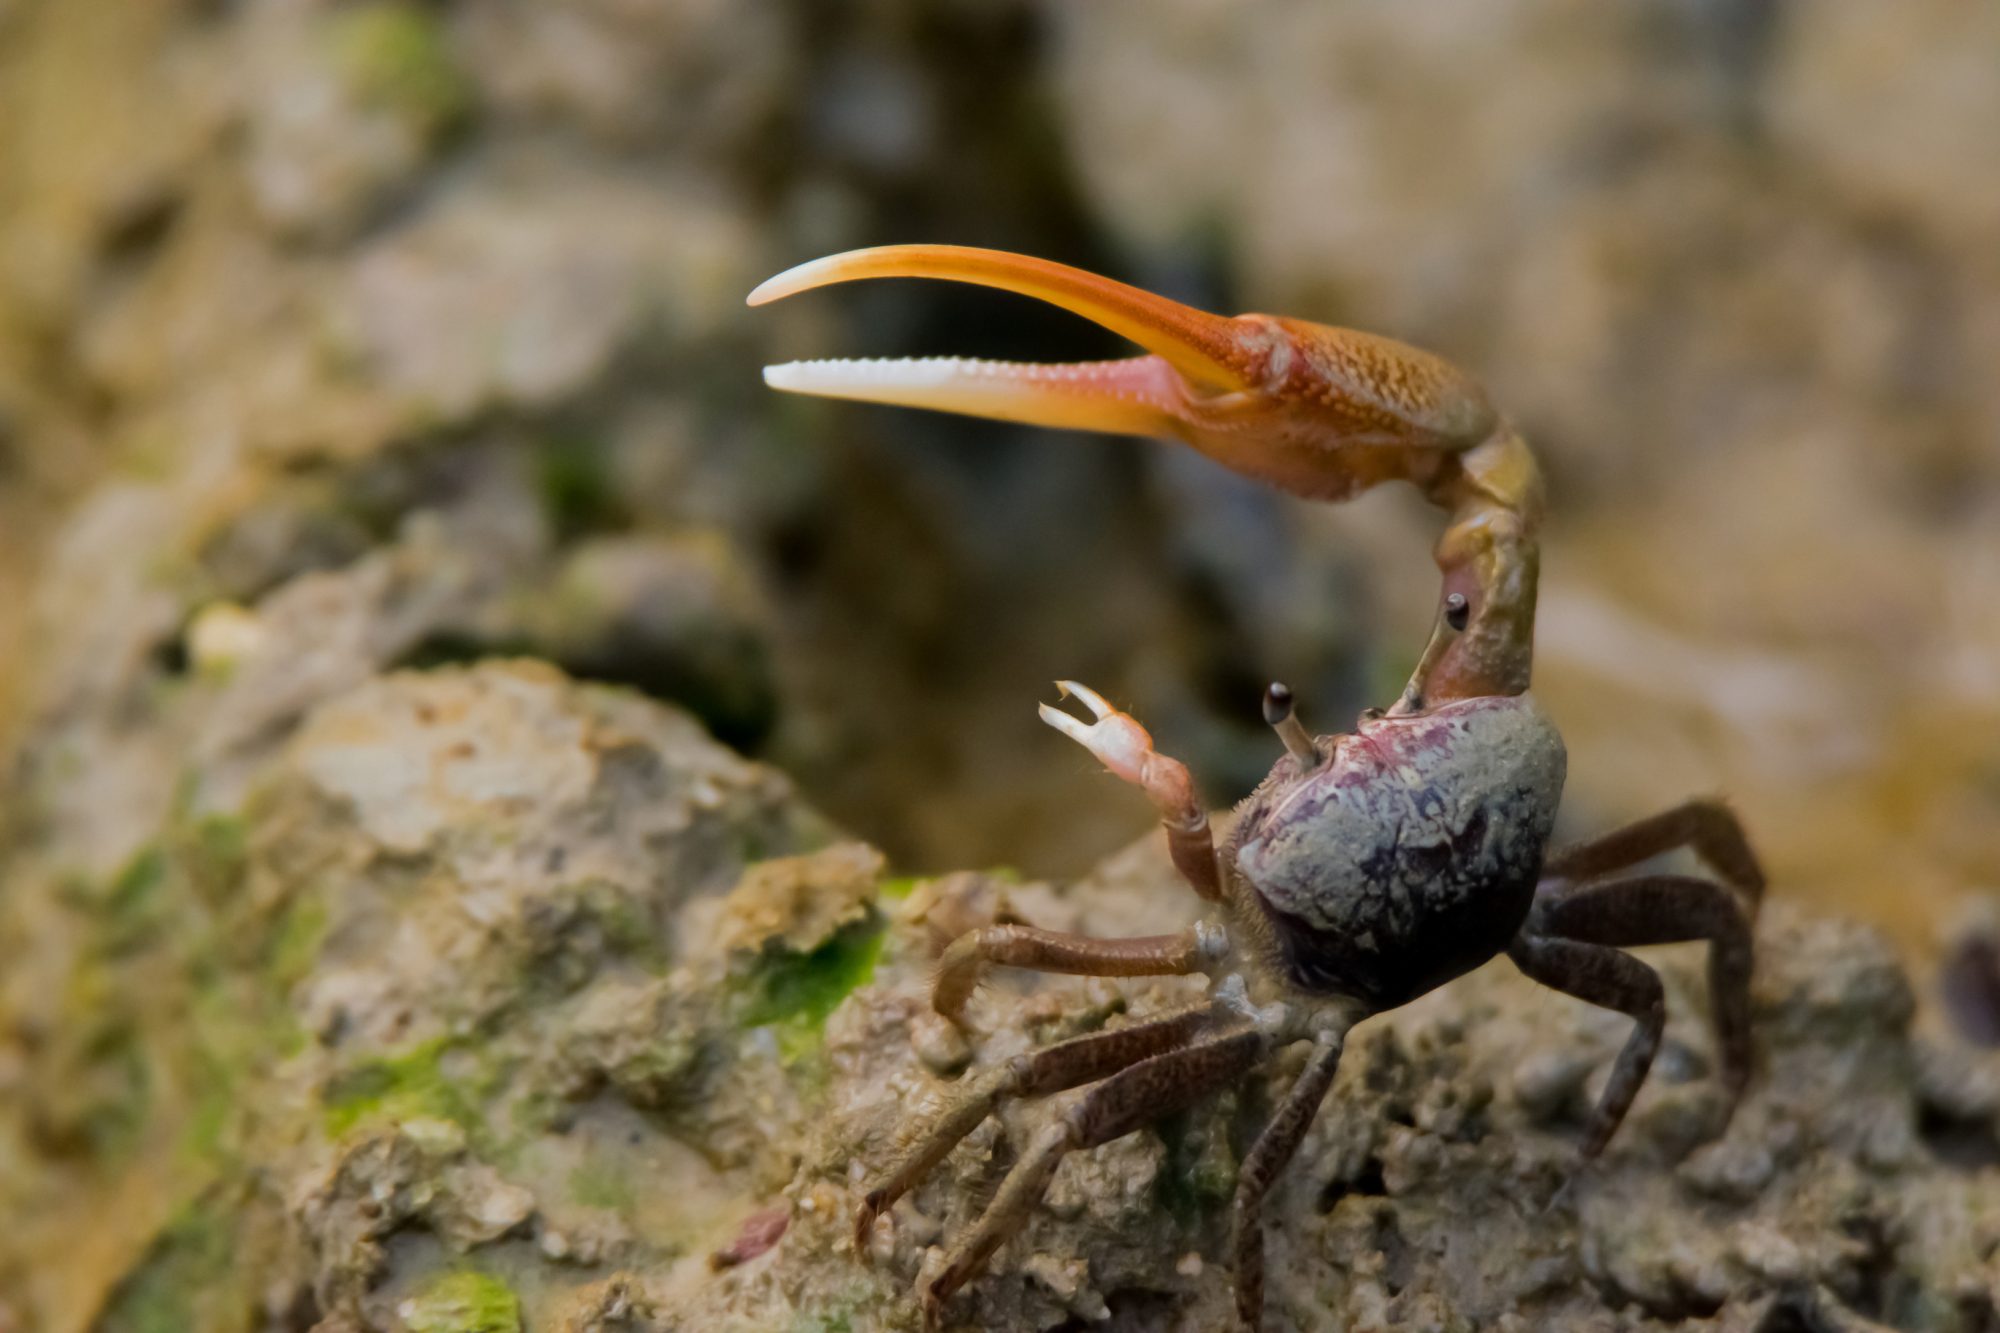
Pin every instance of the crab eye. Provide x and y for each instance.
(1456, 610)
(1278, 713)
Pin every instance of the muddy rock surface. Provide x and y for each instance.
(497, 1001)
(1854, 1188)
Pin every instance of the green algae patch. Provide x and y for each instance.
(898, 887)
(463, 1302)
(792, 993)
(395, 56)
(295, 941)
(801, 989)
(214, 851)
(578, 492)
(190, 1278)
(138, 883)
(602, 1183)
(131, 907)
(838, 1314)
(102, 1102)
(410, 1086)
(1199, 1174)
(818, 1321)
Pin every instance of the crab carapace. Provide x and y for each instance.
(1367, 868)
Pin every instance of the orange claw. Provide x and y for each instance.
(1199, 345)
(1321, 412)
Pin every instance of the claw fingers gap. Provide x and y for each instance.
(1207, 349)
(1092, 700)
(1068, 725)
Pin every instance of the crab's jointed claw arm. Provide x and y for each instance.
(1126, 749)
(1322, 412)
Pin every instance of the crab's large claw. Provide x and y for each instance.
(1320, 411)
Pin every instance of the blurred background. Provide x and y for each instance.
(337, 337)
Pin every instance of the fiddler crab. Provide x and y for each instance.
(1367, 868)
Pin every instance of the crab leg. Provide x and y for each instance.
(1708, 827)
(1057, 1068)
(1196, 949)
(1268, 1158)
(1668, 909)
(1605, 977)
(1321, 412)
(1141, 1093)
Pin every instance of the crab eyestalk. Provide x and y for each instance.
(1453, 616)
(1320, 412)
(1282, 718)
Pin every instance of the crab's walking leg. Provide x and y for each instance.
(1199, 947)
(1155, 1087)
(1667, 909)
(1267, 1159)
(1710, 828)
(1067, 1064)
(1614, 980)
(1125, 748)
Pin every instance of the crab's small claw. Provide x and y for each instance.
(1115, 738)
(1124, 747)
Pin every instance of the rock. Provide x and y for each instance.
(679, 618)
(378, 940)
(343, 108)
(557, 280)
(512, 979)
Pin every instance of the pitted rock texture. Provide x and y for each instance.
(500, 997)
(440, 981)
(1440, 1188)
